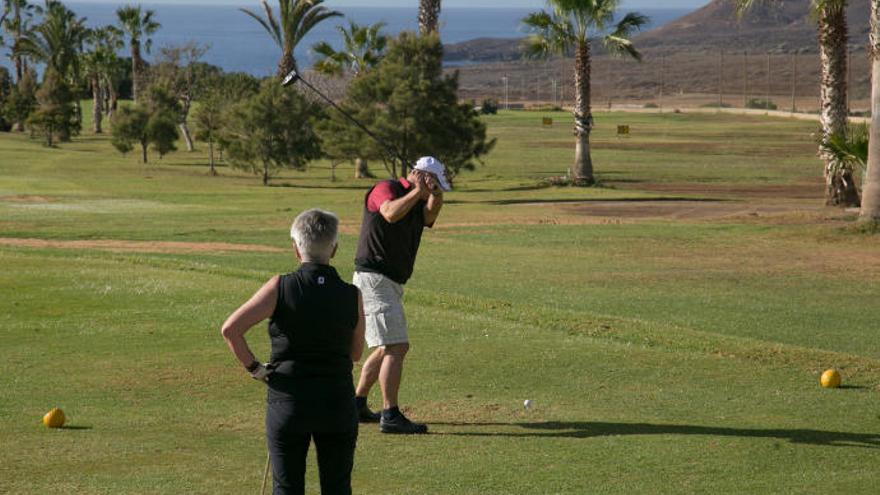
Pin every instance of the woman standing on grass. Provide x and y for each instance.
(316, 328)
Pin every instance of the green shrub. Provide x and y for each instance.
(489, 107)
(761, 104)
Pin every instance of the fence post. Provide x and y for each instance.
(746, 79)
(767, 103)
(662, 81)
(794, 82)
(721, 82)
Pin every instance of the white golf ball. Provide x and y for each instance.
(527, 403)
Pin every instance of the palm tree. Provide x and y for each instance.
(99, 63)
(871, 194)
(362, 48)
(429, 16)
(568, 27)
(16, 20)
(115, 73)
(298, 17)
(57, 41)
(840, 186)
(139, 26)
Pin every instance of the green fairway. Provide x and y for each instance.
(669, 326)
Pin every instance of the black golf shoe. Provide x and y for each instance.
(401, 425)
(367, 416)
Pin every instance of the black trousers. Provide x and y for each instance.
(289, 443)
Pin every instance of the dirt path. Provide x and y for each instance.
(167, 247)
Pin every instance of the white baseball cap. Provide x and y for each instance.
(432, 165)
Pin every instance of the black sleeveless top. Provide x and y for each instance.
(390, 248)
(313, 324)
(311, 334)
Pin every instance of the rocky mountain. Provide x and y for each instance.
(784, 26)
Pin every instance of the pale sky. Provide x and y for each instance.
(406, 3)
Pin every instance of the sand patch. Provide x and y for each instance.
(167, 247)
(27, 198)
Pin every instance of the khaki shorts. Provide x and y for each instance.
(383, 309)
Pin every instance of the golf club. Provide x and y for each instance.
(293, 77)
(265, 475)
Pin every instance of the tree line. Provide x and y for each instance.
(396, 87)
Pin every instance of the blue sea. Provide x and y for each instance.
(238, 43)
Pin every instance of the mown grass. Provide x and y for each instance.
(662, 355)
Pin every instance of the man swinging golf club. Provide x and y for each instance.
(395, 213)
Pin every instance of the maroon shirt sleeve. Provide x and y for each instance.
(380, 194)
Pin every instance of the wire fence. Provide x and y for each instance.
(736, 79)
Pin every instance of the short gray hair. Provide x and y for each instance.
(315, 233)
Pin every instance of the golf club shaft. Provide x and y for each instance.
(265, 475)
(388, 149)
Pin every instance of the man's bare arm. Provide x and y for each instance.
(432, 209)
(394, 210)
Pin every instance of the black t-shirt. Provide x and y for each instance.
(311, 334)
(390, 248)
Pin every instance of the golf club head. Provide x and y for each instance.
(291, 78)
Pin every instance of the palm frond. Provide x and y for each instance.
(619, 41)
(849, 148)
(33, 48)
(323, 48)
(551, 34)
(312, 18)
(272, 29)
(277, 28)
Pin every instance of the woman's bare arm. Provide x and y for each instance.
(259, 307)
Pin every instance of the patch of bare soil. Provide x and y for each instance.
(679, 210)
(165, 247)
(801, 190)
(26, 198)
(786, 203)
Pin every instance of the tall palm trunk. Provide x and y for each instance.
(429, 16)
(20, 66)
(287, 62)
(98, 106)
(871, 199)
(582, 169)
(137, 70)
(113, 97)
(19, 63)
(840, 187)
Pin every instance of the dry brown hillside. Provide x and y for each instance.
(785, 26)
(704, 57)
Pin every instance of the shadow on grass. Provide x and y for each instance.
(75, 427)
(532, 187)
(589, 429)
(331, 187)
(853, 387)
(519, 201)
